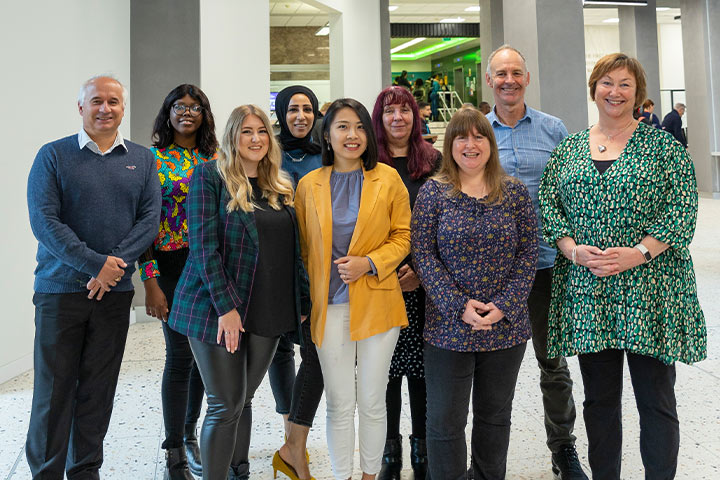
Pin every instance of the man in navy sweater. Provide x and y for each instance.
(94, 203)
(673, 123)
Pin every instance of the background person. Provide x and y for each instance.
(80, 336)
(183, 136)
(297, 112)
(242, 287)
(526, 137)
(354, 219)
(648, 107)
(673, 123)
(624, 285)
(474, 243)
(398, 127)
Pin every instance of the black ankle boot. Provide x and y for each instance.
(418, 457)
(176, 467)
(239, 472)
(192, 449)
(392, 460)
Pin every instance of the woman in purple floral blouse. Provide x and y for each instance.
(474, 241)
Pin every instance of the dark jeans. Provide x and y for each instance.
(79, 344)
(418, 406)
(282, 375)
(555, 382)
(182, 388)
(654, 386)
(309, 384)
(230, 381)
(450, 376)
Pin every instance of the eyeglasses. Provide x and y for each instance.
(194, 110)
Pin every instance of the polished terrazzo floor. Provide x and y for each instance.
(132, 446)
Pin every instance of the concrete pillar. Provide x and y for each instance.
(164, 53)
(491, 37)
(234, 55)
(357, 57)
(638, 38)
(701, 51)
(551, 35)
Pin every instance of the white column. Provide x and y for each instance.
(638, 38)
(701, 54)
(356, 65)
(491, 37)
(234, 55)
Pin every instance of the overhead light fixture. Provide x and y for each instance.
(616, 3)
(405, 45)
(392, 8)
(452, 20)
(662, 9)
(475, 8)
(323, 31)
(611, 20)
(429, 50)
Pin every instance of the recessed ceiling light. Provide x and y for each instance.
(662, 9)
(405, 45)
(392, 8)
(475, 8)
(611, 20)
(452, 20)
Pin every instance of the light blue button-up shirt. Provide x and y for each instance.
(524, 151)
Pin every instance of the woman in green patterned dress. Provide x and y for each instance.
(619, 201)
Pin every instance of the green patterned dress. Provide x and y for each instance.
(651, 309)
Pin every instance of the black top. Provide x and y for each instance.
(603, 165)
(271, 310)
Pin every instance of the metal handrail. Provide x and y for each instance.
(451, 103)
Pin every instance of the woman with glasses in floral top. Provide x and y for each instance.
(183, 137)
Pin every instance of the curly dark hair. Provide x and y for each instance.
(164, 134)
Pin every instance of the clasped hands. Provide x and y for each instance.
(351, 268)
(111, 273)
(481, 316)
(608, 262)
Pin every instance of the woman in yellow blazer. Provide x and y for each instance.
(354, 221)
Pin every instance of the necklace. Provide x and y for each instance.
(601, 148)
(296, 159)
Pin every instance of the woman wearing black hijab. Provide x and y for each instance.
(296, 108)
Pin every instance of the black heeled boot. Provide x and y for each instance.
(192, 449)
(392, 460)
(176, 467)
(239, 472)
(418, 457)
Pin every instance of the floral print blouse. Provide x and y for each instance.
(465, 248)
(175, 166)
(650, 189)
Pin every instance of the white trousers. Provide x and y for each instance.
(355, 373)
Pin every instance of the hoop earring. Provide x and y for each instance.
(168, 123)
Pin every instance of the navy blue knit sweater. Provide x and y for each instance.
(84, 207)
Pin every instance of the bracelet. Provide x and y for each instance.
(574, 255)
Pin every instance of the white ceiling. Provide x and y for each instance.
(294, 13)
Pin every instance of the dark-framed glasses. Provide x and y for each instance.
(180, 109)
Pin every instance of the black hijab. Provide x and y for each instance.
(287, 140)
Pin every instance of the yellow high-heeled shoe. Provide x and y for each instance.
(279, 464)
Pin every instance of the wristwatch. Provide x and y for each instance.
(646, 253)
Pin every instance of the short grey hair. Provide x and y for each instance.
(500, 49)
(91, 80)
(679, 105)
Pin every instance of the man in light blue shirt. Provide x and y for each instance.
(526, 138)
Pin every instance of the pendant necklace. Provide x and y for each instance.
(296, 160)
(601, 148)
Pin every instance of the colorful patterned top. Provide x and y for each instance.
(651, 309)
(464, 248)
(175, 166)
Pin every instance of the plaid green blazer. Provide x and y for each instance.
(219, 272)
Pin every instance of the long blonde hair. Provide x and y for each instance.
(462, 123)
(273, 181)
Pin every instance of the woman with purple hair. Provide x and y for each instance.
(398, 127)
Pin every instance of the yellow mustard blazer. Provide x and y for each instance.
(382, 232)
